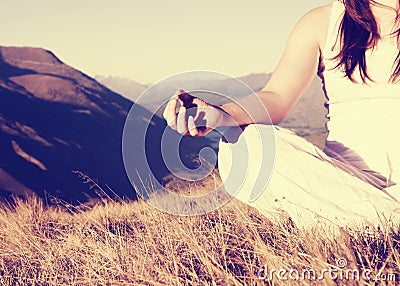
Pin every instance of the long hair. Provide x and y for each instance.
(358, 32)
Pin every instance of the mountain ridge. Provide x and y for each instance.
(55, 119)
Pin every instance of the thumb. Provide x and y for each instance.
(185, 98)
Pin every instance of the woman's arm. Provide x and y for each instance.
(291, 78)
(295, 71)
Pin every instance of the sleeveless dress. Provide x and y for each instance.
(355, 179)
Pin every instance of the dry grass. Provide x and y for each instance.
(131, 243)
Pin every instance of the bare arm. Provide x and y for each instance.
(291, 78)
(294, 73)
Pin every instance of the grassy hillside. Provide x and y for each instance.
(131, 243)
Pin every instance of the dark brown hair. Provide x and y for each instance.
(358, 32)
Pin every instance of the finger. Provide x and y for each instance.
(179, 91)
(181, 122)
(192, 126)
(170, 112)
(185, 98)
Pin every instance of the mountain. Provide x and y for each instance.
(160, 92)
(308, 118)
(127, 87)
(55, 120)
(256, 81)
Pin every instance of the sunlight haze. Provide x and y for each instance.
(149, 40)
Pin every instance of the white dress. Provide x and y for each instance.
(358, 182)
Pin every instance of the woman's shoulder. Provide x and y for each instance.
(316, 22)
(319, 16)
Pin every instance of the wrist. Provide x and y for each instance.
(226, 117)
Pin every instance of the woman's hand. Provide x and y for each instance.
(193, 116)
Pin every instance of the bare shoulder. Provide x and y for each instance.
(322, 12)
(316, 23)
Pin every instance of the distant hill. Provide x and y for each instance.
(54, 119)
(162, 91)
(307, 118)
(127, 87)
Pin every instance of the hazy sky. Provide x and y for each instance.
(148, 40)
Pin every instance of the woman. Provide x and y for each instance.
(353, 46)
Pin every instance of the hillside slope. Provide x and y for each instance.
(54, 120)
